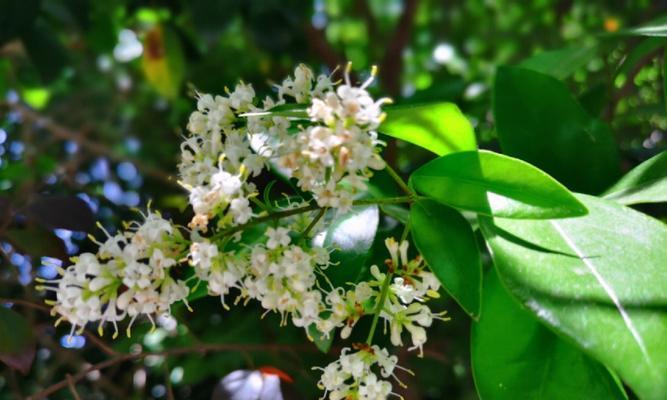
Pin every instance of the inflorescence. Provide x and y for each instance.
(326, 141)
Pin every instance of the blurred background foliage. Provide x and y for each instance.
(94, 97)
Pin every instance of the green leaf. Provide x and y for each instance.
(664, 79)
(595, 98)
(560, 63)
(646, 183)
(657, 28)
(438, 127)
(351, 236)
(163, 61)
(493, 184)
(516, 357)
(599, 280)
(539, 121)
(446, 241)
(17, 345)
(322, 343)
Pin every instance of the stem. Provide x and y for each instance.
(399, 181)
(379, 306)
(200, 348)
(320, 214)
(406, 230)
(300, 210)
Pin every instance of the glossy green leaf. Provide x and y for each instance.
(17, 346)
(646, 183)
(351, 236)
(446, 241)
(516, 357)
(539, 121)
(657, 28)
(493, 184)
(438, 127)
(560, 63)
(599, 280)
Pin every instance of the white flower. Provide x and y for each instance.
(277, 237)
(240, 209)
(242, 97)
(373, 389)
(202, 255)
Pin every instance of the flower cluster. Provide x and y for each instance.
(333, 157)
(217, 160)
(129, 276)
(280, 275)
(233, 139)
(401, 304)
(352, 376)
(327, 143)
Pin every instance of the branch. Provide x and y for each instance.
(392, 63)
(41, 307)
(309, 207)
(203, 349)
(366, 13)
(63, 133)
(320, 46)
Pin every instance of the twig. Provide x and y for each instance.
(319, 45)
(167, 380)
(392, 63)
(300, 210)
(399, 181)
(203, 348)
(41, 307)
(314, 222)
(92, 147)
(72, 388)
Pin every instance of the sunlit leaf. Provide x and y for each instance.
(438, 127)
(351, 235)
(646, 183)
(493, 184)
(599, 280)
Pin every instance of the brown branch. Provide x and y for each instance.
(391, 67)
(63, 133)
(320, 46)
(41, 307)
(629, 85)
(202, 348)
(361, 7)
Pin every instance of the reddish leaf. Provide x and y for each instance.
(37, 242)
(17, 344)
(65, 212)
